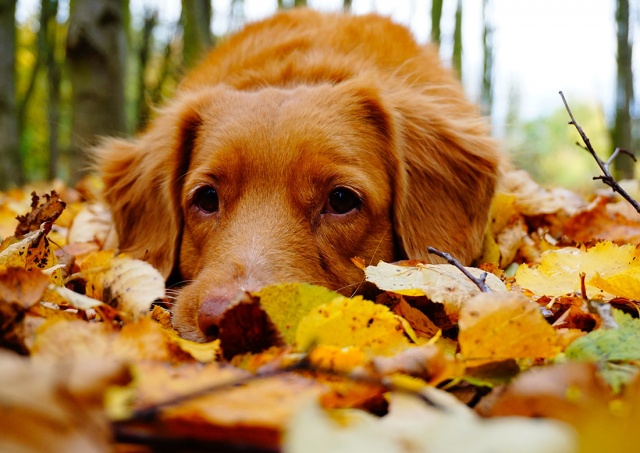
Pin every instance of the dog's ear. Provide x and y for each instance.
(142, 177)
(448, 166)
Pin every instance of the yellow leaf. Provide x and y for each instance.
(499, 326)
(558, 272)
(286, 304)
(626, 284)
(442, 283)
(355, 322)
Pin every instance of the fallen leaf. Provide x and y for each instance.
(32, 252)
(602, 220)
(93, 224)
(128, 284)
(19, 291)
(286, 304)
(56, 406)
(558, 272)
(46, 212)
(413, 425)
(616, 351)
(500, 326)
(355, 322)
(441, 283)
(246, 327)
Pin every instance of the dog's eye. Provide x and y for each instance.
(342, 200)
(206, 199)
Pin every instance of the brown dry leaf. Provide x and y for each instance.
(19, 291)
(253, 413)
(56, 406)
(426, 362)
(500, 326)
(60, 338)
(128, 284)
(532, 200)
(32, 252)
(604, 220)
(246, 327)
(441, 283)
(419, 322)
(46, 212)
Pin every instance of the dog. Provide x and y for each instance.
(299, 143)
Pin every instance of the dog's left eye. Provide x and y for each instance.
(206, 199)
(342, 201)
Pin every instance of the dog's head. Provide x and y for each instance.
(235, 190)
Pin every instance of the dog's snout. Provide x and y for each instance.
(210, 314)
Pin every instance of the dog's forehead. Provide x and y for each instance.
(279, 130)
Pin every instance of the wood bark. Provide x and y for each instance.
(50, 29)
(96, 59)
(622, 135)
(436, 16)
(456, 59)
(196, 23)
(486, 88)
(11, 172)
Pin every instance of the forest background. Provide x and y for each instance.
(74, 70)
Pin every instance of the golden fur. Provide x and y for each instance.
(274, 119)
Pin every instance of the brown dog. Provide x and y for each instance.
(301, 142)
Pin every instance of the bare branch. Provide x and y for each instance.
(479, 282)
(604, 166)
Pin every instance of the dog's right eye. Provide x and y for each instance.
(206, 199)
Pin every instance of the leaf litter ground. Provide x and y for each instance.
(546, 361)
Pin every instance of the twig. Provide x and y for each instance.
(604, 166)
(479, 282)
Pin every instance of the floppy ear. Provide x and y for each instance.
(142, 179)
(447, 176)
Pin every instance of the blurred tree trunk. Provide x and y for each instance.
(144, 51)
(456, 59)
(436, 15)
(346, 5)
(11, 172)
(49, 29)
(486, 90)
(96, 58)
(299, 3)
(196, 23)
(622, 138)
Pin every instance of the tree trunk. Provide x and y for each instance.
(49, 24)
(144, 51)
(622, 138)
(196, 23)
(456, 59)
(486, 90)
(346, 5)
(96, 58)
(299, 3)
(11, 172)
(436, 15)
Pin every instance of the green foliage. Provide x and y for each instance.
(616, 350)
(546, 147)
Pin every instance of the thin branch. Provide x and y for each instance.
(604, 166)
(479, 282)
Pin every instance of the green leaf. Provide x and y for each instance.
(616, 351)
